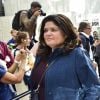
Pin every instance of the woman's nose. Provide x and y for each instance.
(48, 32)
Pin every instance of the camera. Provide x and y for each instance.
(30, 13)
(42, 13)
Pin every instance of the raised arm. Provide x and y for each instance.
(10, 78)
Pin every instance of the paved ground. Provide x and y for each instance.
(20, 89)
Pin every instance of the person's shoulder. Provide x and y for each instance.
(23, 12)
(11, 41)
(82, 36)
(3, 44)
(79, 51)
(81, 54)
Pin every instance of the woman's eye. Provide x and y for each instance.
(45, 30)
(53, 30)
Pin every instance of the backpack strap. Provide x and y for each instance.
(16, 51)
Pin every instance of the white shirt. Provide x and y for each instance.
(90, 52)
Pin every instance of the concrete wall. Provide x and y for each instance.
(12, 6)
(5, 27)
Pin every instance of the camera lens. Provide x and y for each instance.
(43, 13)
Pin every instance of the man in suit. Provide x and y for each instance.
(86, 38)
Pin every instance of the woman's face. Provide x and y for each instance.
(53, 36)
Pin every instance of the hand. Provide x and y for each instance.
(97, 42)
(95, 65)
(21, 55)
(37, 13)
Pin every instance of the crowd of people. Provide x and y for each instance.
(64, 64)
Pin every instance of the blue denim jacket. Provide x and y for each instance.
(72, 77)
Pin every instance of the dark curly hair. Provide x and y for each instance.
(67, 29)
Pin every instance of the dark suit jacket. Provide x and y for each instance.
(85, 42)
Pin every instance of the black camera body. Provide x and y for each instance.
(30, 13)
(42, 13)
